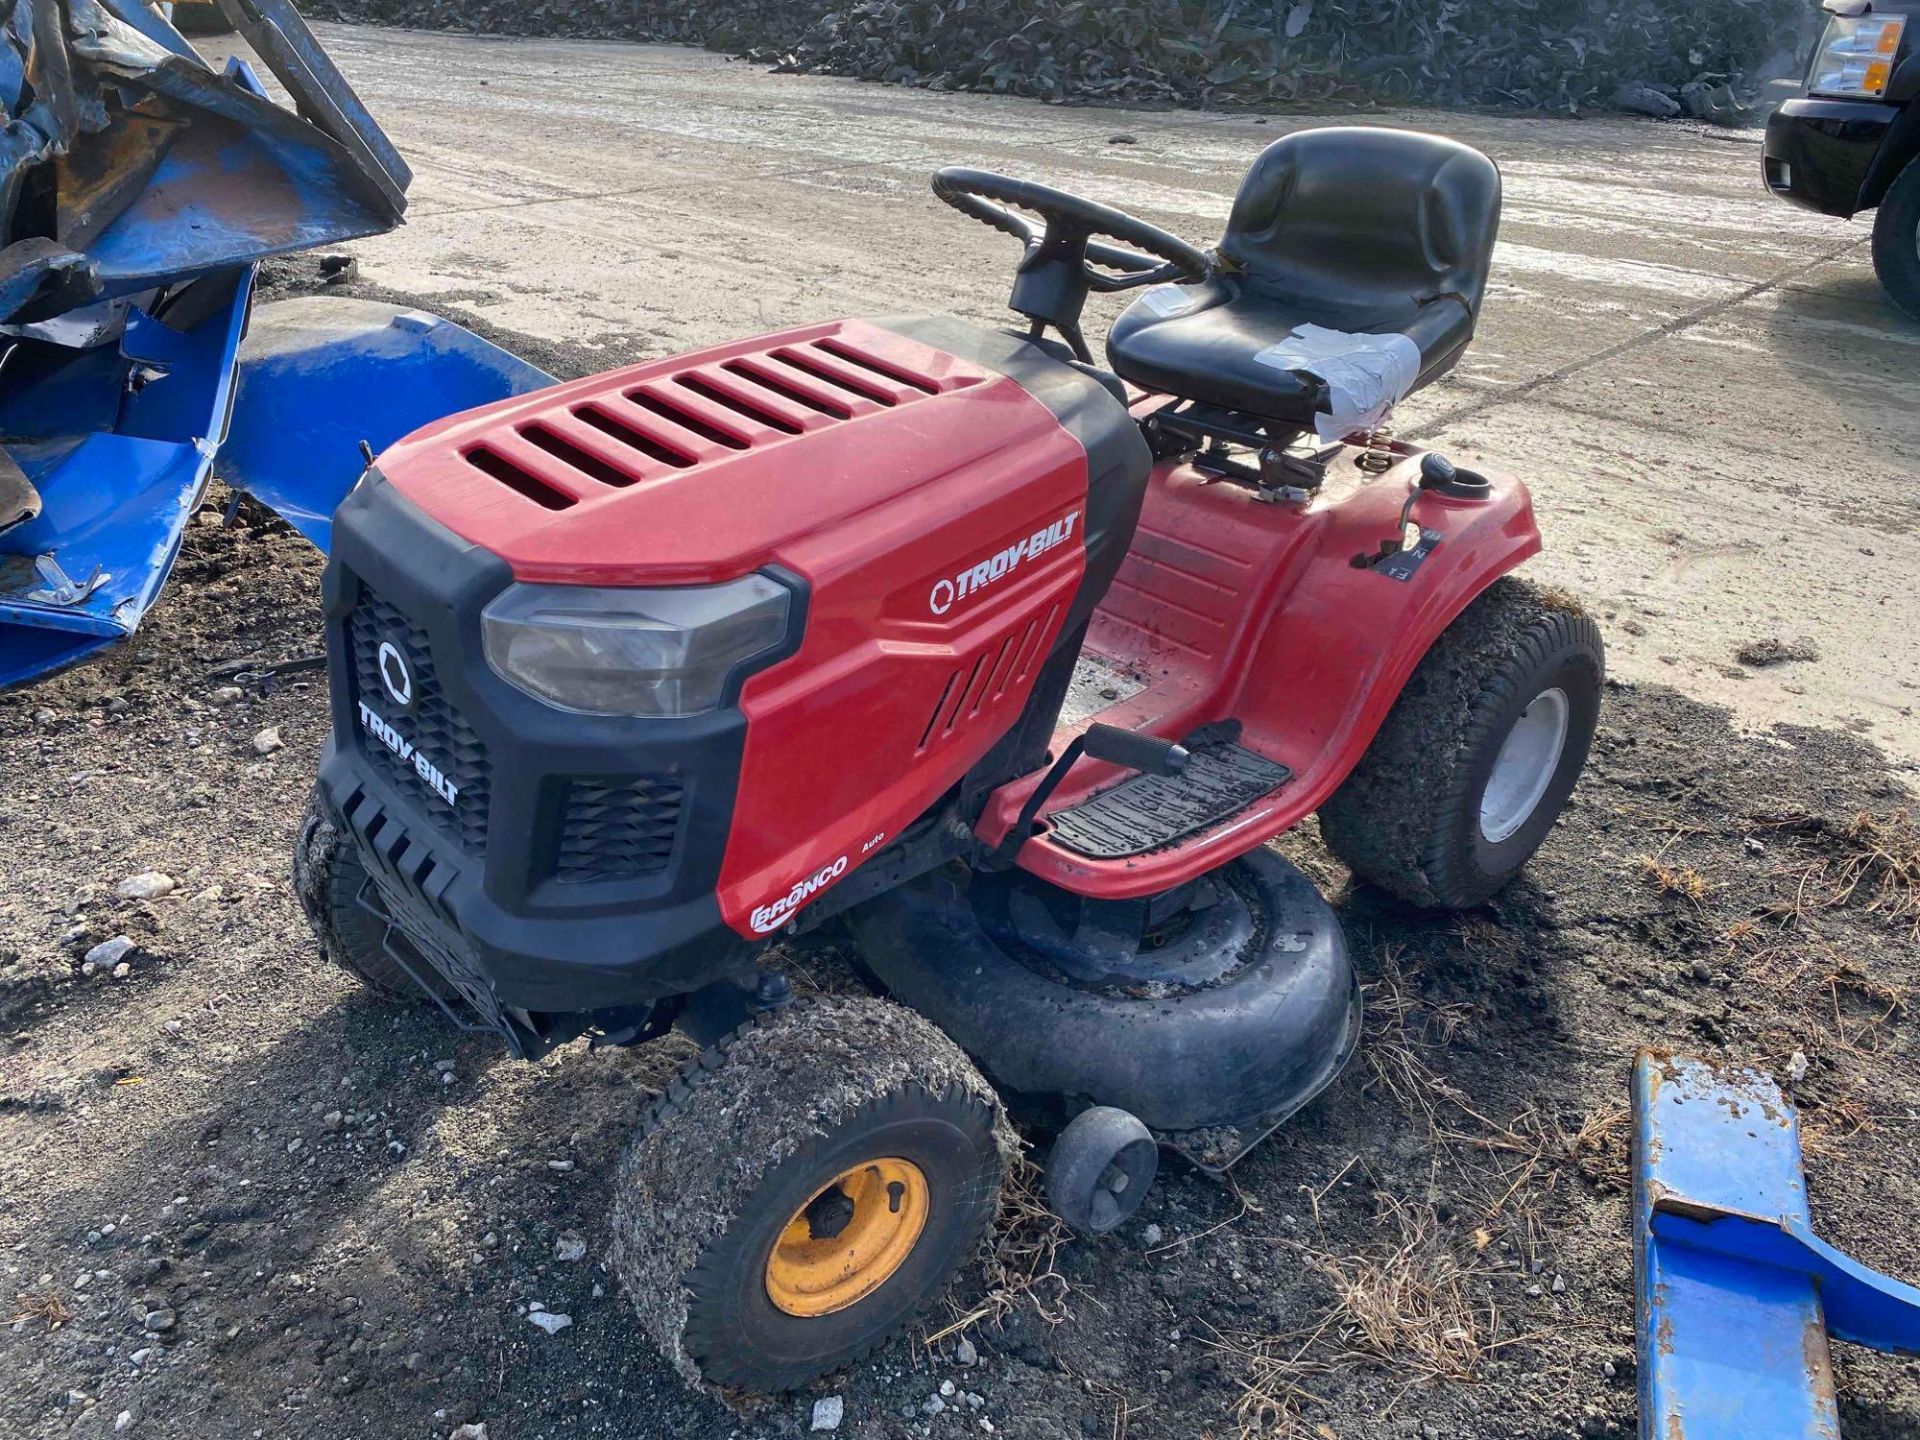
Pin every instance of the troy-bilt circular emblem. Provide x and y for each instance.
(395, 676)
(941, 600)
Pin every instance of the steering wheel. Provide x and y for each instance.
(1072, 221)
(1063, 261)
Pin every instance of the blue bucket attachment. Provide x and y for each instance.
(1736, 1295)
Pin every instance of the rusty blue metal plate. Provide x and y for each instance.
(1736, 1295)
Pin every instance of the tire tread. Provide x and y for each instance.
(1393, 821)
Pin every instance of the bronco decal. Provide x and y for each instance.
(775, 913)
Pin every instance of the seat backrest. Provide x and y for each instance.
(1367, 217)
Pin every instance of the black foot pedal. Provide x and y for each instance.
(1150, 812)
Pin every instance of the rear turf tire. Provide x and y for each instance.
(1896, 240)
(1422, 816)
(750, 1136)
(327, 876)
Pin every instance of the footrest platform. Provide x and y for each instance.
(1150, 812)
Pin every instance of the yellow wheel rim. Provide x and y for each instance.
(849, 1238)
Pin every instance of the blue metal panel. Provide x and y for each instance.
(319, 376)
(320, 92)
(1735, 1293)
(242, 180)
(124, 322)
(116, 500)
(177, 171)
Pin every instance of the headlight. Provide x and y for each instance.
(658, 653)
(1856, 56)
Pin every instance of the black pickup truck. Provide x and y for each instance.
(1850, 143)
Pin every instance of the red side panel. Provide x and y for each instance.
(1231, 608)
(887, 705)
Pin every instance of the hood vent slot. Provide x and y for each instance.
(568, 453)
(790, 388)
(820, 367)
(518, 480)
(867, 362)
(763, 414)
(685, 418)
(611, 425)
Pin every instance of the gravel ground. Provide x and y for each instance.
(239, 1199)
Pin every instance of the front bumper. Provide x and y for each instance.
(1819, 153)
(574, 867)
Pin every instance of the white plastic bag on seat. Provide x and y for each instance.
(1366, 375)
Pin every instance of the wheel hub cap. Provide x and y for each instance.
(849, 1238)
(1525, 766)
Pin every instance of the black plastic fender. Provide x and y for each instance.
(1244, 1054)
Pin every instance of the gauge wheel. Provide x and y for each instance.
(1479, 753)
(328, 877)
(804, 1190)
(1896, 240)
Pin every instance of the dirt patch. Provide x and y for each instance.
(237, 1195)
(1762, 653)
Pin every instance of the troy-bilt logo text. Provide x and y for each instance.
(977, 577)
(403, 747)
(774, 914)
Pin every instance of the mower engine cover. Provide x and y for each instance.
(627, 672)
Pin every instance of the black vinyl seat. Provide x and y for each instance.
(1361, 230)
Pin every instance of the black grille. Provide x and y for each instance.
(616, 827)
(435, 728)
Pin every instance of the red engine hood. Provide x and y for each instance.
(705, 466)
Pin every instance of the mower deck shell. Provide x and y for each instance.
(1210, 1069)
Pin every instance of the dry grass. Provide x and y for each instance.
(1825, 1130)
(1411, 1306)
(45, 1306)
(1533, 1154)
(1403, 1028)
(1023, 1265)
(1682, 880)
(1872, 861)
(1416, 1308)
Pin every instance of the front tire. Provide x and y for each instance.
(1479, 754)
(804, 1191)
(328, 878)
(1896, 240)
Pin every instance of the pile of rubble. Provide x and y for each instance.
(1559, 55)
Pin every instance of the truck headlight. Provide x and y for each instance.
(659, 653)
(1856, 56)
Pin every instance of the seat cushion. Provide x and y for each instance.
(1209, 349)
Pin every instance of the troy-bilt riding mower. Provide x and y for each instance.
(1013, 663)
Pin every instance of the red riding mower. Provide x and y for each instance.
(1014, 664)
